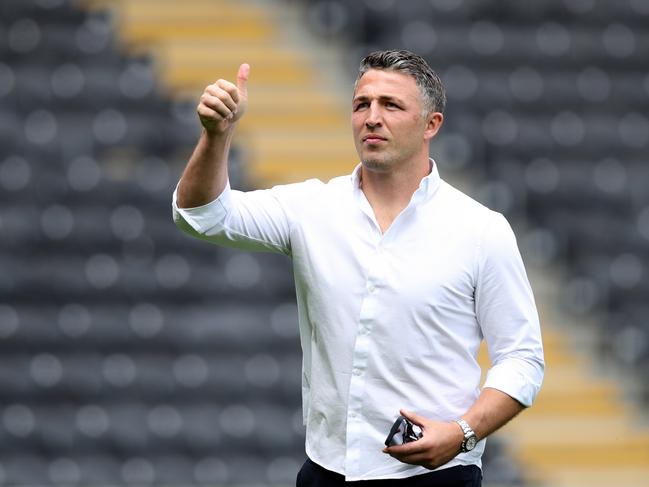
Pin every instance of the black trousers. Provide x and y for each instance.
(313, 475)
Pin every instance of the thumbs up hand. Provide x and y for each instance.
(223, 103)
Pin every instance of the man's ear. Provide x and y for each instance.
(434, 121)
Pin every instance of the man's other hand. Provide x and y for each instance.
(223, 103)
(439, 444)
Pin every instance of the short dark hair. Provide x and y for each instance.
(429, 83)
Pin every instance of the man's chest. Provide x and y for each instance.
(416, 263)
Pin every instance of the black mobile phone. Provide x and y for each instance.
(403, 431)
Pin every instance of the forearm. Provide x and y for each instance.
(491, 411)
(442, 440)
(206, 174)
(221, 105)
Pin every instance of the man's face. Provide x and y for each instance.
(388, 125)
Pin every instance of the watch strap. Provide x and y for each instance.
(468, 433)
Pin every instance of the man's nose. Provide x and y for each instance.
(373, 116)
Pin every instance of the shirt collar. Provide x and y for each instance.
(427, 187)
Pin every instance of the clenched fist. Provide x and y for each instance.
(223, 103)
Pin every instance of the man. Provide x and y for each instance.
(398, 275)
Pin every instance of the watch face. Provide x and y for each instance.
(470, 443)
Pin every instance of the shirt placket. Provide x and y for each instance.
(356, 422)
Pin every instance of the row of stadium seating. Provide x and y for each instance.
(224, 326)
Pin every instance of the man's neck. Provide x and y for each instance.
(390, 192)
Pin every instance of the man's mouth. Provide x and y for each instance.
(373, 138)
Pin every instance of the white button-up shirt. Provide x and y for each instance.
(389, 320)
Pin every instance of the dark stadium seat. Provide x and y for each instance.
(25, 469)
(99, 469)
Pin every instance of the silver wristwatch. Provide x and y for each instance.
(470, 439)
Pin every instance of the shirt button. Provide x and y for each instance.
(357, 371)
(371, 288)
(353, 415)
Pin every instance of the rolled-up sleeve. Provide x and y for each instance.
(254, 220)
(508, 316)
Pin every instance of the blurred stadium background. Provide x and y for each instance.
(132, 355)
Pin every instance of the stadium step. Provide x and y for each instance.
(581, 431)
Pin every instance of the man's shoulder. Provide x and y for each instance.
(297, 188)
(476, 218)
(316, 184)
(312, 189)
(463, 203)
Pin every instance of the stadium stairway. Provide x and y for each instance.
(582, 430)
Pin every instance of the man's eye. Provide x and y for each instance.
(360, 105)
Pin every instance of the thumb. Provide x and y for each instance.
(242, 79)
(414, 417)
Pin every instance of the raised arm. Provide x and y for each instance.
(221, 106)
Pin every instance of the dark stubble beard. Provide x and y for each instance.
(380, 162)
(377, 165)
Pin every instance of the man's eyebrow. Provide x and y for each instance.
(392, 98)
(382, 98)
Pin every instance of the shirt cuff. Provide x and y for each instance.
(202, 218)
(513, 383)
